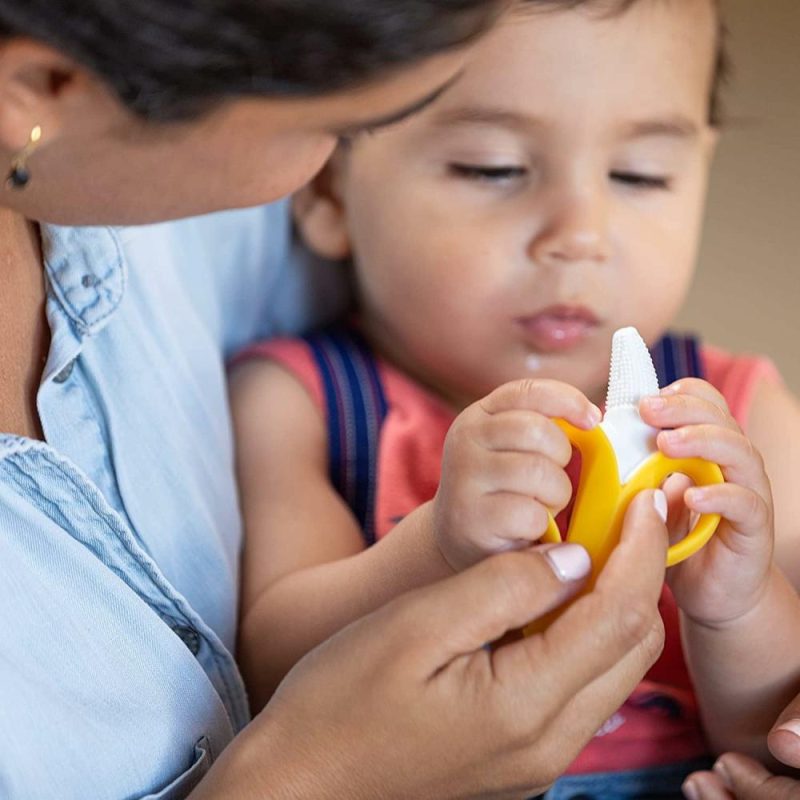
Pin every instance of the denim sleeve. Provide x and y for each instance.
(245, 273)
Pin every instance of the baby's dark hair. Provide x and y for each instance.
(722, 63)
(174, 59)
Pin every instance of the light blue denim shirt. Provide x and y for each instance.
(120, 536)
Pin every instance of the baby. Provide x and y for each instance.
(497, 239)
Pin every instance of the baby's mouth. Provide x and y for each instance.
(559, 328)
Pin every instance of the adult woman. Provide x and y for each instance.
(118, 513)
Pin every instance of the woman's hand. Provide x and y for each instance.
(409, 702)
(737, 777)
(503, 469)
(727, 578)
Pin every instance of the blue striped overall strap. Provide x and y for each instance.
(356, 407)
(677, 356)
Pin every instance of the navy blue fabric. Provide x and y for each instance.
(676, 356)
(651, 783)
(356, 407)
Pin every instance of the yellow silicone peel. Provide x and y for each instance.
(619, 458)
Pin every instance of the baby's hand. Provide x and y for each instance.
(725, 579)
(503, 469)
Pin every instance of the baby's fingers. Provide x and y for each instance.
(743, 509)
(546, 397)
(677, 410)
(510, 521)
(527, 474)
(696, 387)
(523, 432)
(740, 462)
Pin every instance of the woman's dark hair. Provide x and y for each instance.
(174, 59)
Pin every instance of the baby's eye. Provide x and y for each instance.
(484, 172)
(637, 180)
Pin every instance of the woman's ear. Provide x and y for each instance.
(35, 83)
(320, 213)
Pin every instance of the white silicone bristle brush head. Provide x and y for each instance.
(632, 376)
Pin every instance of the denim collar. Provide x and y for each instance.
(87, 273)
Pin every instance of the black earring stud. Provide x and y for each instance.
(20, 175)
(18, 178)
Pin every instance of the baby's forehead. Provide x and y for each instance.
(712, 42)
(560, 51)
(573, 76)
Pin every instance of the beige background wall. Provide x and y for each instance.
(747, 291)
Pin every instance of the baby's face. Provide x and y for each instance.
(551, 196)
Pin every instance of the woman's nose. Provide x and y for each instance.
(575, 230)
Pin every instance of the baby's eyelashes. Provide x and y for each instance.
(637, 180)
(487, 172)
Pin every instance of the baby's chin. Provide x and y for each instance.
(460, 394)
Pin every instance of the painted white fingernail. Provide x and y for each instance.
(790, 726)
(570, 562)
(690, 791)
(660, 504)
(721, 770)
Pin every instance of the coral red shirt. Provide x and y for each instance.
(659, 723)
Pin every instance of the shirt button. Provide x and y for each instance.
(189, 636)
(63, 376)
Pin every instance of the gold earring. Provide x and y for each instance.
(19, 175)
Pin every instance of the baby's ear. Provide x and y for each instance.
(320, 215)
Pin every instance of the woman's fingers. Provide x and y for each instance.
(601, 627)
(596, 703)
(499, 594)
(464, 720)
(784, 738)
(741, 778)
(706, 786)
